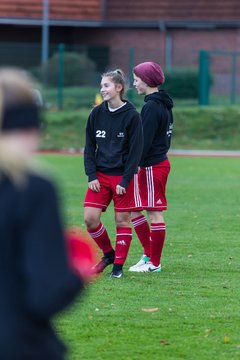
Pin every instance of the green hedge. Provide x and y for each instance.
(194, 128)
(182, 83)
(77, 70)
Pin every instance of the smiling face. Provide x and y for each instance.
(139, 85)
(109, 90)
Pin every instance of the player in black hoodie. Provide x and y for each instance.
(157, 123)
(112, 153)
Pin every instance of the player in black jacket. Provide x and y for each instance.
(112, 153)
(157, 123)
(36, 280)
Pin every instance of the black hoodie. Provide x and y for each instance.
(114, 142)
(35, 279)
(157, 121)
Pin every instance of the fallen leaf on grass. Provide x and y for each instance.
(150, 310)
(226, 339)
(164, 342)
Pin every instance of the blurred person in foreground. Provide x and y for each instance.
(42, 269)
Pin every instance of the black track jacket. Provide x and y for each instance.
(114, 142)
(157, 121)
(35, 279)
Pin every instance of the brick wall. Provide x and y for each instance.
(187, 44)
(58, 9)
(150, 43)
(198, 10)
(174, 9)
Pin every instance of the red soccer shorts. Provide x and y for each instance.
(152, 186)
(122, 203)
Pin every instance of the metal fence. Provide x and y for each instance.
(63, 78)
(219, 80)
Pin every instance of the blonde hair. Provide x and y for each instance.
(16, 88)
(117, 77)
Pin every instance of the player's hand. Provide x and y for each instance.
(120, 190)
(94, 185)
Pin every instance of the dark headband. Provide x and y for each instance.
(20, 116)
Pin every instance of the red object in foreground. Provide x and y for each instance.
(82, 253)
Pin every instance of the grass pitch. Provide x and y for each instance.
(188, 311)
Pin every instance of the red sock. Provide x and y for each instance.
(100, 236)
(141, 227)
(123, 241)
(158, 233)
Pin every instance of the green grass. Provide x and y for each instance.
(205, 128)
(197, 294)
(64, 130)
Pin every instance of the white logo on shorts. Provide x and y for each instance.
(159, 202)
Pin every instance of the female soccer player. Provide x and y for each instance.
(112, 152)
(157, 121)
(36, 279)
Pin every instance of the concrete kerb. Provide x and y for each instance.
(206, 153)
(172, 152)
